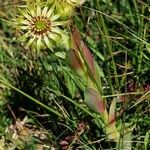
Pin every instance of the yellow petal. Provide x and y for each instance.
(38, 11)
(49, 13)
(44, 12)
(47, 42)
(39, 43)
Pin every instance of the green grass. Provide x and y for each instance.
(43, 88)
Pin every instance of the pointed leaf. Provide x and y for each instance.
(112, 118)
(81, 48)
(75, 62)
(75, 36)
(88, 58)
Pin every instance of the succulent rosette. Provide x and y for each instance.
(40, 26)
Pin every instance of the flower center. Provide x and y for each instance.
(40, 25)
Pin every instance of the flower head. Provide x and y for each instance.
(65, 7)
(71, 2)
(40, 26)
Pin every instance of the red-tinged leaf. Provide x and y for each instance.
(112, 109)
(75, 61)
(94, 100)
(79, 46)
(75, 37)
(88, 58)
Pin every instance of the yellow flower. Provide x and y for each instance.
(40, 26)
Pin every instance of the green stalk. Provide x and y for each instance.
(105, 31)
(141, 34)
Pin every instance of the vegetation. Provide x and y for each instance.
(74, 74)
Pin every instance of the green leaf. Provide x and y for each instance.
(146, 140)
